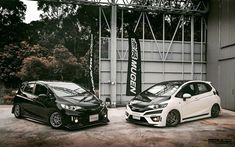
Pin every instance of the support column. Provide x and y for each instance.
(163, 46)
(100, 51)
(182, 49)
(202, 47)
(113, 60)
(192, 47)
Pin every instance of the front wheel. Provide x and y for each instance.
(55, 120)
(17, 111)
(173, 118)
(215, 110)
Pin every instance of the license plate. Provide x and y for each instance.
(136, 117)
(93, 118)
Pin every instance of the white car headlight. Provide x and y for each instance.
(157, 106)
(73, 108)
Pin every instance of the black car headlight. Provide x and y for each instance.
(157, 106)
(68, 107)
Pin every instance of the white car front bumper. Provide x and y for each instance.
(156, 117)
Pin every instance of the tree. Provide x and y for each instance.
(12, 28)
(59, 64)
(11, 58)
(34, 68)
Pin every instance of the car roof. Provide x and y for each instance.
(174, 81)
(52, 82)
(69, 85)
(181, 82)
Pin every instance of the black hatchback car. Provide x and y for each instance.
(61, 104)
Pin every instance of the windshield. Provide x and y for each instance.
(67, 89)
(162, 90)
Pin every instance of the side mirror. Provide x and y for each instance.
(186, 96)
(51, 96)
(108, 102)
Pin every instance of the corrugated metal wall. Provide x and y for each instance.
(221, 50)
(176, 66)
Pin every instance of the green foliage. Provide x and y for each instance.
(34, 68)
(11, 58)
(65, 65)
(12, 29)
(61, 65)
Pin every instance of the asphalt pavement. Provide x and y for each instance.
(118, 133)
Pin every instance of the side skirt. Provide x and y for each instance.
(194, 117)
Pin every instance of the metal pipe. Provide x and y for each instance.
(113, 57)
(143, 51)
(163, 45)
(155, 40)
(122, 56)
(182, 48)
(138, 21)
(169, 47)
(201, 48)
(192, 47)
(105, 19)
(100, 51)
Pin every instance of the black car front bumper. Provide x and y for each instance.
(81, 119)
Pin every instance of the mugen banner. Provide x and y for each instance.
(134, 66)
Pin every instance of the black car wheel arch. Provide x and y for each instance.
(17, 111)
(173, 118)
(215, 110)
(56, 120)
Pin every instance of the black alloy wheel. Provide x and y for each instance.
(55, 120)
(215, 110)
(17, 111)
(172, 119)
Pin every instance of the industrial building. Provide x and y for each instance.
(212, 58)
(221, 50)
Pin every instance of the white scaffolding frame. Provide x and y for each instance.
(186, 8)
(163, 53)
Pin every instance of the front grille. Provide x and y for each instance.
(83, 117)
(90, 111)
(138, 109)
(142, 119)
(153, 112)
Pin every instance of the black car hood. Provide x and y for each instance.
(145, 101)
(76, 101)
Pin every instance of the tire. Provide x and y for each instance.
(215, 111)
(173, 118)
(17, 111)
(55, 120)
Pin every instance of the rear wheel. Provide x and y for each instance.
(17, 111)
(215, 110)
(55, 120)
(173, 118)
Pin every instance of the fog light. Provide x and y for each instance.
(105, 116)
(76, 120)
(156, 118)
(127, 114)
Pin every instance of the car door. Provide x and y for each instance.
(27, 97)
(204, 95)
(189, 107)
(39, 108)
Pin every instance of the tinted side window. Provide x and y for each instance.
(40, 89)
(190, 89)
(202, 88)
(29, 88)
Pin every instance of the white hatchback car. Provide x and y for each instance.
(172, 102)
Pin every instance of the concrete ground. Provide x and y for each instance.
(118, 133)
